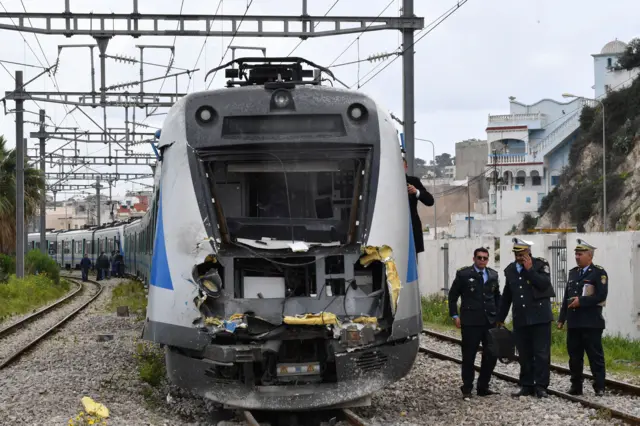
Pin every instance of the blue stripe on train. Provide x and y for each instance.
(412, 266)
(160, 276)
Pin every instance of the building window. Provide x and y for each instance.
(555, 180)
(536, 180)
(520, 180)
(608, 62)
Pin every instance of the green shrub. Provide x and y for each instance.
(37, 263)
(7, 267)
(21, 295)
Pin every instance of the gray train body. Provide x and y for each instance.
(247, 187)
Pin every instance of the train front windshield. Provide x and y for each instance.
(307, 195)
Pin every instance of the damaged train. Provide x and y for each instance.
(282, 274)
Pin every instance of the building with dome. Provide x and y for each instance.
(606, 77)
(529, 146)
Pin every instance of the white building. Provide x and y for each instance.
(529, 146)
(606, 78)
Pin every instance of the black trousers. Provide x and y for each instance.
(471, 338)
(589, 340)
(534, 351)
(85, 274)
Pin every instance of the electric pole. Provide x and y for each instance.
(20, 243)
(43, 198)
(408, 100)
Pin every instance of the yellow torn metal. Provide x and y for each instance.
(324, 318)
(366, 320)
(213, 321)
(92, 407)
(384, 254)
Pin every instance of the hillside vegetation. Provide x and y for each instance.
(577, 200)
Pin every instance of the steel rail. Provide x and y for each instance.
(13, 327)
(611, 383)
(585, 402)
(16, 355)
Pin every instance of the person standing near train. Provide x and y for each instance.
(417, 191)
(528, 288)
(584, 298)
(479, 287)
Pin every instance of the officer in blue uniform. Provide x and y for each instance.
(528, 288)
(479, 288)
(584, 297)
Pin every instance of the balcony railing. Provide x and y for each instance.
(514, 119)
(507, 158)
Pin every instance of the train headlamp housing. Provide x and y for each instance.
(282, 100)
(211, 284)
(205, 115)
(357, 113)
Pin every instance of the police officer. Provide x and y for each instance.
(528, 288)
(584, 297)
(479, 287)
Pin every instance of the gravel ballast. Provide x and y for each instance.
(46, 386)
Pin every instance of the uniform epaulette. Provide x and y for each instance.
(464, 267)
(598, 266)
(575, 268)
(490, 269)
(542, 259)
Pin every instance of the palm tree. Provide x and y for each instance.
(33, 190)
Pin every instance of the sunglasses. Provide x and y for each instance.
(482, 258)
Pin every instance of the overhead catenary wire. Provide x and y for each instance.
(360, 34)
(204, 44)
(433, 26)
(314, 27)
(231, 41)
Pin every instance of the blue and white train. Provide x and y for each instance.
(282, 272)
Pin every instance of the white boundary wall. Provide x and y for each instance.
(617, 252)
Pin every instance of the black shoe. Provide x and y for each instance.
(487, 392)
(575, 390)
(599, 392)
(542, 393)
(466, 393)
(523, 392)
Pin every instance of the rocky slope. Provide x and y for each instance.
(577, 201)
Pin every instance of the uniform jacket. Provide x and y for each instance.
(427, 199)
(529, 292)
(589, 314)
(480, 300)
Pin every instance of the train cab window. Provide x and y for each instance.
(264, 197)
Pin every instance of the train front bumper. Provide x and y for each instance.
(360, 373)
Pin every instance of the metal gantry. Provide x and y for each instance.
(104, 26)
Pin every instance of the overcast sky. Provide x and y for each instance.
(465, 69)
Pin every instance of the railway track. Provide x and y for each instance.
(13, 329)
(618, 385)
(343, 415)
(609, 383)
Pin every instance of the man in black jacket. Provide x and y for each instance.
(528, 287)
(479, 287)
(417, 191)
(584, 297)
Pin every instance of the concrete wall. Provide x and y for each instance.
(431, 264)
(619, 254)
(511, 203)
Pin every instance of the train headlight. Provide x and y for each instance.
(357, 112)
(211, 284)
(281, 99)
(205, 114)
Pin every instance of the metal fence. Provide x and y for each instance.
(558, 263)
